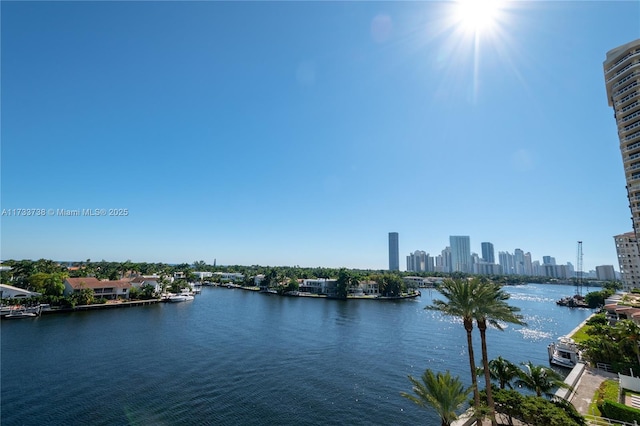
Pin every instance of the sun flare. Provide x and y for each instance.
(477, 15)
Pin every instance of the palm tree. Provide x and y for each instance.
(540, 379)
(442, 392)
(462, 302)
(492, 308)
(503, 371)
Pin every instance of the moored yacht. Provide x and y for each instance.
(564, 352)
(182, 297)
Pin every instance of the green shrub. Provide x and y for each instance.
(598, 319)
(68, 302)
(615, 411)
(536, 411)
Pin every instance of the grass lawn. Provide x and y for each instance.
(581, 335)
(608, 390)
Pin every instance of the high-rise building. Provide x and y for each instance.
(506, 262)
(417, 261)
(486, 268)
(446, 260)
(518, 259)
(460, 253)
(475, 258)
(438, 264)
(622, 80)
(628, 260)
(394, 252)
(571, 271)
(536, 269)
(528, 266)
(430, 263)
(605, 273)
(488, 255)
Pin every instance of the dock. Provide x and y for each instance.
(115, 305)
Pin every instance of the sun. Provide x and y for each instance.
(477, 15)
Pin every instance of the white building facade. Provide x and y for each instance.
(622, 79)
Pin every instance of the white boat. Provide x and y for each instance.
(564, 352)
(182, 297)
(19, 314)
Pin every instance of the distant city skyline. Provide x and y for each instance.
(301, 133)
(522, 261)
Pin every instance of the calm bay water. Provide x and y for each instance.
(235, 357)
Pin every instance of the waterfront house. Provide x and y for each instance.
(616, 313)
(11, 292)
(140, 282)
(228, 276)
(421, 282)
(318, 286)
(106, 289)
(201, 275)
(370, 288)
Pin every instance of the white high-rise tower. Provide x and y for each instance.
(622, 79)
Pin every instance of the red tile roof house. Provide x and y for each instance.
(617, 312)
(106, 289)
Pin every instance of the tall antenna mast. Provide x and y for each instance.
(579, 272)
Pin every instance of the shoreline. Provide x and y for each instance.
(322, 296)
(579, 326)
(149, 302)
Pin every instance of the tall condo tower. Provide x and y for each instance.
(394, 252)
(622, 79)
(460, 253)
(488, 254)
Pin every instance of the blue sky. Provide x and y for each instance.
(301, 133)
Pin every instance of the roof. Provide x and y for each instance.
(627, 310)
(612, 307)
(7, 287)
(93, 282)
(143, 279)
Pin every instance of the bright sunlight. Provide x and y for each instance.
(477, 15)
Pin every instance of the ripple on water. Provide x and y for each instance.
(530, 298)
(535, 335)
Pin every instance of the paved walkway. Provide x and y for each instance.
(586, 387)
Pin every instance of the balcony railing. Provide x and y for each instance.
(630, 106)
(630, 117)
(626, 98)
(631, 126)
(631, 137)
(634, 167)
(624, 58)
(622, 70)
(624, 80)
(625, 89)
